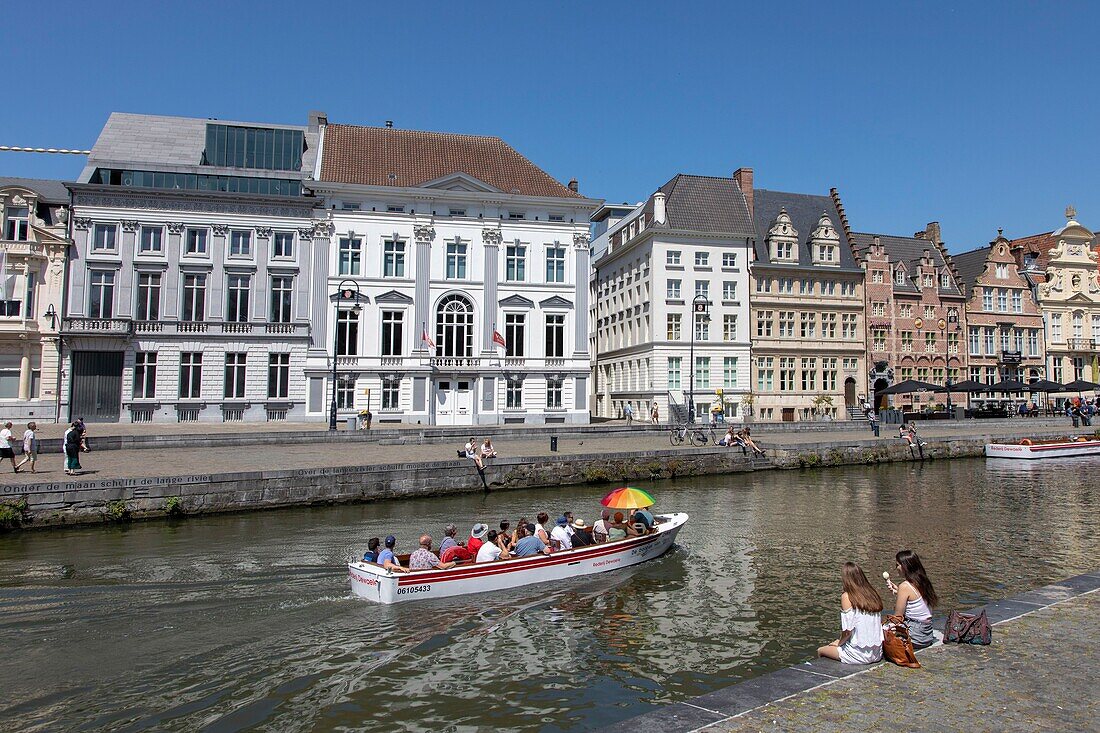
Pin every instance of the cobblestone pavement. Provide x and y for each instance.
(1042, 673)
(153, 462)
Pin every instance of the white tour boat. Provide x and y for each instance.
(376, 584)
(1036, 449)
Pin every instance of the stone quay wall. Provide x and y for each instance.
(78, 502)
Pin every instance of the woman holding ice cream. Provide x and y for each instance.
(915, 598)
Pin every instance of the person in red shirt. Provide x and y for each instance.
(456, 553)
(477, 538)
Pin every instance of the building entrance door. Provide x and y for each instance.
(96, 386)
(454, 402)
(788, 414)
(849, 392)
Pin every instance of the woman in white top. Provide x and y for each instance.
(487, 449)
(915, 598)
(30, 446)
(860, 640)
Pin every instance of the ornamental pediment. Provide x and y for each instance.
(555, 302)
(459, 181)
(393, 296)
(516, 301)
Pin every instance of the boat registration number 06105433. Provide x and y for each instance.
(414, 589)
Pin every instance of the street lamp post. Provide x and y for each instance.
(346, 291)
(699, 306)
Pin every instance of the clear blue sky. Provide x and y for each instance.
(978, 115)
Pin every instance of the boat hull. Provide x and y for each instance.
(1043, 450)
(373, 583)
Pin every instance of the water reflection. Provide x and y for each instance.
(245, 621)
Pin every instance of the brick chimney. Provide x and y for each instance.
(931, 233)
(743, 178)
(573, 185)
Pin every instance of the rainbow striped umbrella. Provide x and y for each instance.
(627, 498)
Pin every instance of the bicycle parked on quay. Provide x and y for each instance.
(695, 434)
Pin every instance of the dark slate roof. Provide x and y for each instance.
(49, 191)
(805, 211)
(706, 204)
(903, 249)
(971, 265)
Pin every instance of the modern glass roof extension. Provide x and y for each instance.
(229, 146)
(197, 182)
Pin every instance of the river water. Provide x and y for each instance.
(245, 622)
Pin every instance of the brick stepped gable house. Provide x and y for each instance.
(692, 237)
(808, 343)
(1061, 267)
(33, 244)
(449, 239)
(1003, 324)
(191, 278)
(916, 314)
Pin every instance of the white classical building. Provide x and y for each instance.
(672, 284)
(457, 282)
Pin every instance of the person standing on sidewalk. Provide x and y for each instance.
(628, 413)
(72, 443)
(655, 414)
(30, 446)
(6, 448)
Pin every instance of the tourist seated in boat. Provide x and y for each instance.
(645, 517)
(530, 543)
(492, 550)
(449, 540)
(371, 555)
(582, 534)
(540, 527)
(559, 537)
(861, 637)
(915, 598)
(456, 553)
(633, 528)
(477, 537)
(569, 521)
(602, 527)
(473, 454)
(425, 559)
(515, 532)
(388, 560)
(616, 529)
(504, 535)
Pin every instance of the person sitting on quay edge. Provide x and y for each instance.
(492, 550)
(582, 534)
(487, 450)
(728, 438)
(746, 437)
(371, 555)
(473, 454)
(861, 636)
(477, 537)
(388, 560)
(425, 559)
(529, 543)
(915, 598)
(616, 530)
(559, 537)
(449, 540)
(601, 527)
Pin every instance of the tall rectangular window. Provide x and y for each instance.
(1017, 301)
(350, 256)
(30, 294)
(786, 374)
(990, 342)
(553, 393)
(672, 257)
(555, 264)
(393, 258)
(194, 297)
(828, 326)
(1002, 301)
(702, 372)
(878, 339)
(555, 336)
(729, 259)
(148, 296)
(104, 238)
(345, 392)
(673, 326)
(195, 242)
(702, 259)
(672, 289)
(848, 324)
(729, 327)
(975, 340)
(765, 374)
(101, 294)
(987, 299)
(282, 296)
(278, 376)
(809, 374)
(282, 245)
(190, 375)
(729, 372)
(17, 223)
(235, 368)
(808, 325)
(393, 333)
(236, 303)
(515, 262)
(456, 260)
(763, 324)
(145, 375)
(515, 336)
(702, 287)
(702, 327)
(151, 240)
(828, 374)
(240, 243)
(729, 290)
(391, 393)
(786, 324)
(347, 333)
(674, 380)
(513, 394)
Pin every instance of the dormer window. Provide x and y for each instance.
(781, 238)
(928, 281)
(945, 281)
(17, 223)
(826, 253)
(899, 276)
(784, 251)
(825, 241)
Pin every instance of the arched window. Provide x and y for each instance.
(454, 330)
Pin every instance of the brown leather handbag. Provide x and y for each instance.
(968, 628)
(896, 644)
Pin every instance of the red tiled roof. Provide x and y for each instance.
(369, 155)
(1040, 244)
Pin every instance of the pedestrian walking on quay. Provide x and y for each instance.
(73, 443)
(655, 414)
(7, 450)
(30, 446)
(628, 413)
